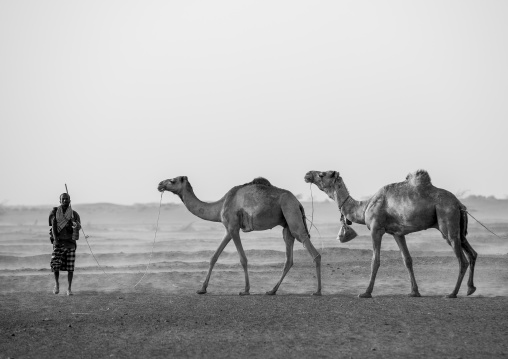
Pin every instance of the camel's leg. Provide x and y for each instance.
(243, 259)
(213, 260)
(305, 239)
(463, 264)
(296, 225)
(377, 235)
(408, 262)
(449, 226)
(471, 255)
(289, 240)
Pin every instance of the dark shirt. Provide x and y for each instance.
(65, 235)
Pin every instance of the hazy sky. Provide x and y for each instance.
(111, 97)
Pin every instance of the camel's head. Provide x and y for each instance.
(174, 185)
(329, 182)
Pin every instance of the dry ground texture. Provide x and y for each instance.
(100, 325)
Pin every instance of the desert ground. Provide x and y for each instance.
(163, 317)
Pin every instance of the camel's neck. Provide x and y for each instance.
(203, 210)
(353, 210)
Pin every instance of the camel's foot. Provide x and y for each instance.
(271, 292)
(244, 293)
(471, 290)
(365, 295)
(414, 294)
(452, 295)
(201, 291)
(317, 293)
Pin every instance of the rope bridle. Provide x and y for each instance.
(342, 205)
(343, 202)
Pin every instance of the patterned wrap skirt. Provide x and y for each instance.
(62, 259)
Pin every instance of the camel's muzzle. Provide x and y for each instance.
(160, 187)
(309, 177)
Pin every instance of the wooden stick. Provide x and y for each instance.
(72, 213)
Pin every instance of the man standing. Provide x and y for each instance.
(65, 224)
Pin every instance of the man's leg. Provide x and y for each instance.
(56, 265)
(56, 290)
(70, 274)
(71, 258)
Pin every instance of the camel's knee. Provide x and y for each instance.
(463, 268)
(408, 262)
(214, 259)
(473, 255)
(464, 264)
(243, 262)
(305, 240)
(307, 244)
(317, 259)
(472, 258)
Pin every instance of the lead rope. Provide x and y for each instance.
(312, 219)
(86, 237)
(463, 210)
(153, 244)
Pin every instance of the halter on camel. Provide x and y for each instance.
(346, 233)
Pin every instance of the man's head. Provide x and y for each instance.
(65, 199)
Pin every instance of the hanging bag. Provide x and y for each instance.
(346, 233)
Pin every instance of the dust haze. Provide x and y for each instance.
(121, 237)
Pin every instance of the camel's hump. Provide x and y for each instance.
(261, 180)
(418, 178)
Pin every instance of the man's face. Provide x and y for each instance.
(65, 200)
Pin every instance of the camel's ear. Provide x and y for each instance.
(184, 178)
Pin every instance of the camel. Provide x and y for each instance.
(402, 208)
(254, 206)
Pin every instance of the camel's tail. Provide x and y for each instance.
(463, 224)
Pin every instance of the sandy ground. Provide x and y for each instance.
(99, 325)
(103, 325)
(162, 317)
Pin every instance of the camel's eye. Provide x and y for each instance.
(321, 174)
(171, 181)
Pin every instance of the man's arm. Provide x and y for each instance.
(55, 229)
(77, 220)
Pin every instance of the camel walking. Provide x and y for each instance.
(254, 206)
(402, 208)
